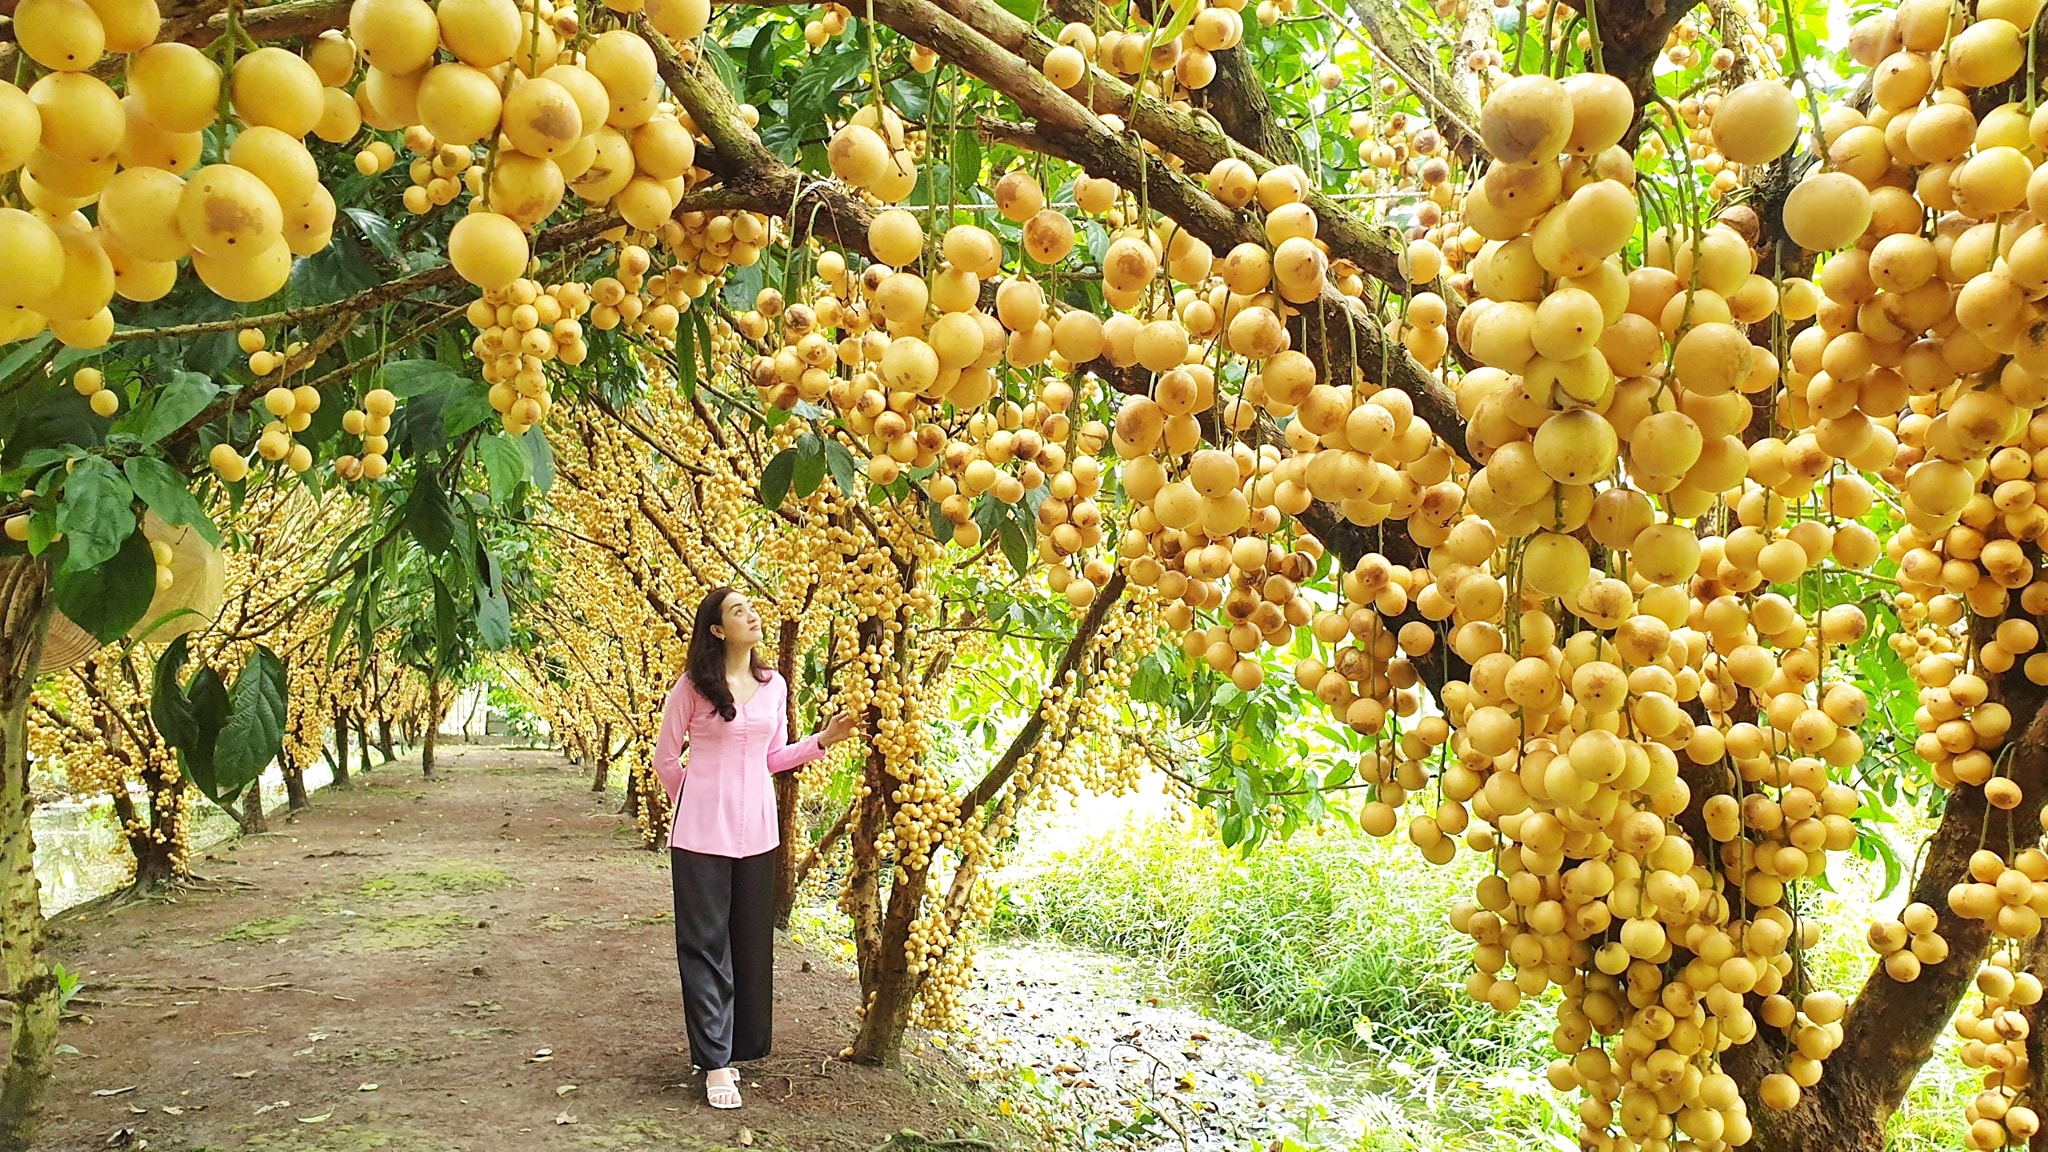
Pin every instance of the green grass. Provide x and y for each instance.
(262, 930)
(1335, 938)
(1337, 942)
(457, 877)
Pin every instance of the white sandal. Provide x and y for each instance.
(722, 1095)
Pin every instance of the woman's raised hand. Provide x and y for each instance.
(836, 729)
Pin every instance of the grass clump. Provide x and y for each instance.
(1336, 938)
(449, 877)
(262, 930)
(405, 933)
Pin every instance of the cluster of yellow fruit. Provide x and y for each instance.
(263, 361)
(372, 422)
(872, 152)
(521, 329)
(1994, 1033)
(77, 143)
(91, 383)
(1186, 57)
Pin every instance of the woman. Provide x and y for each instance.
(733, 713)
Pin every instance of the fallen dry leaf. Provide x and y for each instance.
(320, 1119)
(564, 1089)
(366, 1088)
(113, 1091)
(173, 1110)
(564, 1118)
(746, 1137)
(245, 1075)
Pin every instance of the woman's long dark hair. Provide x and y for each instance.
(707, 655)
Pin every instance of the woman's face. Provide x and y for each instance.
(738, 622)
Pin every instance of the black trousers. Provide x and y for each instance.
(725, 948)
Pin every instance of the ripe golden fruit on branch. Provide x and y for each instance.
(488, 250)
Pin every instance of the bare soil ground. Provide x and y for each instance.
(480, 961)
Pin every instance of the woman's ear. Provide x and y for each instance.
(718, 631)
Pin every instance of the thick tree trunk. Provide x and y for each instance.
(339, 757)
(159, 848)
(384, 739)
(786, 790)
(252, 820)
(433, 728)
(295, 797)
(363, 743)
(601, 770)
(26, 982)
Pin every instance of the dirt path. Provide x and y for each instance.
(482, 961)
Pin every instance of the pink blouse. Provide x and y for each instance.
(730, 809)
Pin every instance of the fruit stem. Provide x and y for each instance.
(1593, 34)
(1820, 147)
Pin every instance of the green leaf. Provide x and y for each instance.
(209, 702)
(942, 528)
(377, 231)
(183, 396)
(96, 515)
(408, 378)
(840, 462)
(164, 491)
(540, 459)
(254, 731)
(810, 465)
(26, 354)
(168, 708)
(429, 516)
(110, 597)
(504, 463)
(493, 609)
(776, 477)
(1015, 547)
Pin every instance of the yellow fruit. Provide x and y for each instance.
(103, 403)
(1576, 447)
(1065, 66)
(138, 209)
(541, 118)
(87, 279)
(623, 63)
(144, 145)
(394, 36)
(895, 237)
(128, 25)
(645, 203)
(609, 169)
(1756, 123)
(591, 98)
(1602, 109)
(1554, 564)
(139, 280)
(460, 104)
(663, 149)
(1600, 218)
(309, 223)
(481, 33)
(61, 35)
(31, 258)
(246, 279)
(92, 332)
(1665, 554)
(1527, 119)
(1987, 52)
(229, 213)
(488, 250)
(333, 59)
(274, 88)
(526, 188)
(82, 118)
(679, 19)
(280, 161)
(394, 98)
(21, 127)
(340, 117)
(175, 86)
(1827, 211)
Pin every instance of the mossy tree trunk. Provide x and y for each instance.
(339, 756)
(26, 981)
(431, 724)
